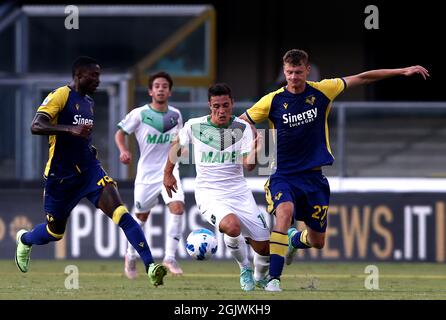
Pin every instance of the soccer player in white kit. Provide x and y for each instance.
(222, 146)
(155, 125)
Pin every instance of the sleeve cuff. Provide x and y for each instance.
(45, 114)
(345, 84)
(249, 118)
(122, 129)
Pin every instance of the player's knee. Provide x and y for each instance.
(232, 230)
(230, 225)
(142, 216)
(318, 244)
(284, 212)
(176, 207)
(285, 208)
(263, 249)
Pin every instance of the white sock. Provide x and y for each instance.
(239, 250)
(131, 252)
(173, 231)
(261, 266)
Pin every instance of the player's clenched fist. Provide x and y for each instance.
(82, 130)
(125, 157)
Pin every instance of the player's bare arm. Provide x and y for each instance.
(376, 75)
(41, 125)
(125, 156)
(250, 160)
(244, 117)
(169, 181)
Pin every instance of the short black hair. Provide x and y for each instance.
(82, 61)
(160, 74)
(296, 57)
(219, 89)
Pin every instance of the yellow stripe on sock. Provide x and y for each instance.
(278, 243)
(269, 199)
(118, 213)
(55, 235)
(304, 238)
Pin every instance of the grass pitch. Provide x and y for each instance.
(212, 280)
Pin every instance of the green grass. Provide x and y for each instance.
(103, 279)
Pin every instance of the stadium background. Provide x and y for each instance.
(399, 220)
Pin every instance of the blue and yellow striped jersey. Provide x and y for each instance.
(301, 123)
(68, 154)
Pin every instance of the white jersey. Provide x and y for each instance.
(154, 131)
(218, 154)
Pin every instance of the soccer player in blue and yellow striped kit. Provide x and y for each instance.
(73, 170)
(298, 190)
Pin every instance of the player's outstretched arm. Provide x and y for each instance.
(244, 117)
(125, 156)
(169, 181)
(41, 125)
(376, 75)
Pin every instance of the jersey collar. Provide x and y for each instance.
(223, 126)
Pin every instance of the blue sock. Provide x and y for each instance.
(39, 235)
(276, 266)
(297, 243)
(136, 237)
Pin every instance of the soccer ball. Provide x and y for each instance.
(201, 244)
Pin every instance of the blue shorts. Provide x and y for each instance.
(310, 193)
(63, 194)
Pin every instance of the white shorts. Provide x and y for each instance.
(214, 209)
(146, 194)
